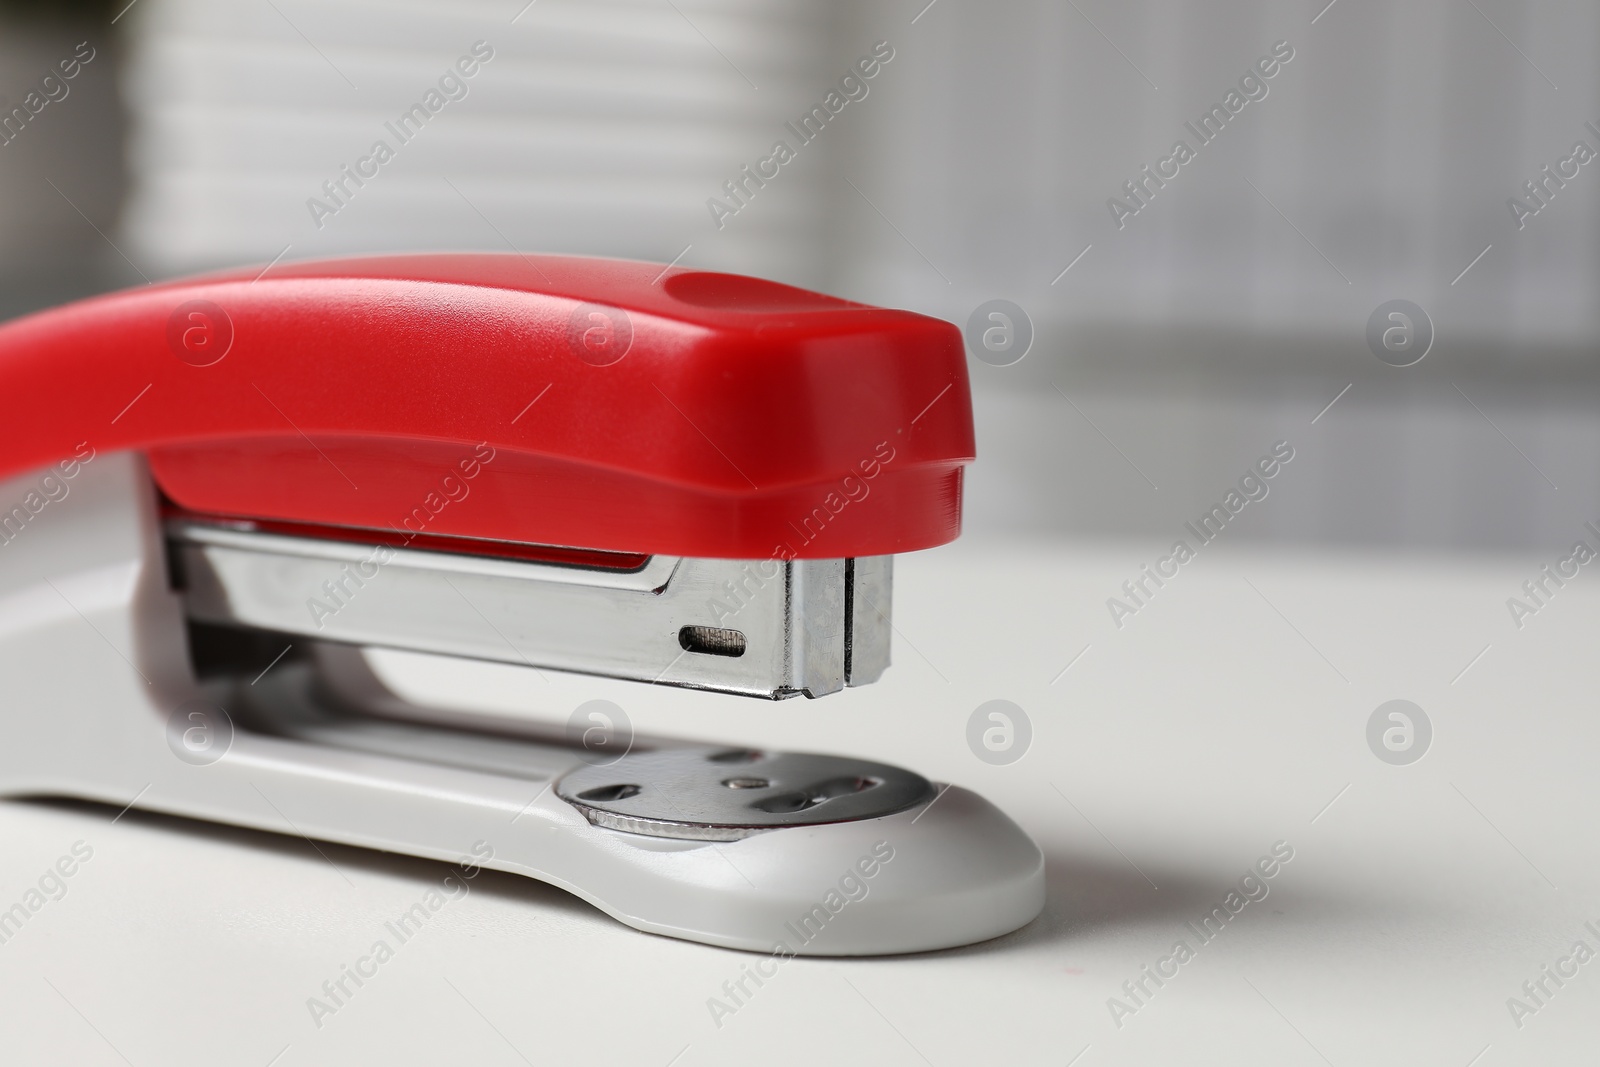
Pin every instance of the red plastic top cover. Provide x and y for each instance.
(592, 403)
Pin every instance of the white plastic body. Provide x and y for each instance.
(93, 662)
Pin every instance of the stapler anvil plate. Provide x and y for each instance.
(672, 476)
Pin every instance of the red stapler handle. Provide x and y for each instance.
(552, 400)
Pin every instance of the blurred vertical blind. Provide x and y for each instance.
(1391, 143)
(1379, 163)
(598, 127)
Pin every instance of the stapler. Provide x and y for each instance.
(221, 492)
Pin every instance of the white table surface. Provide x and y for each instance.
(1224, 718)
